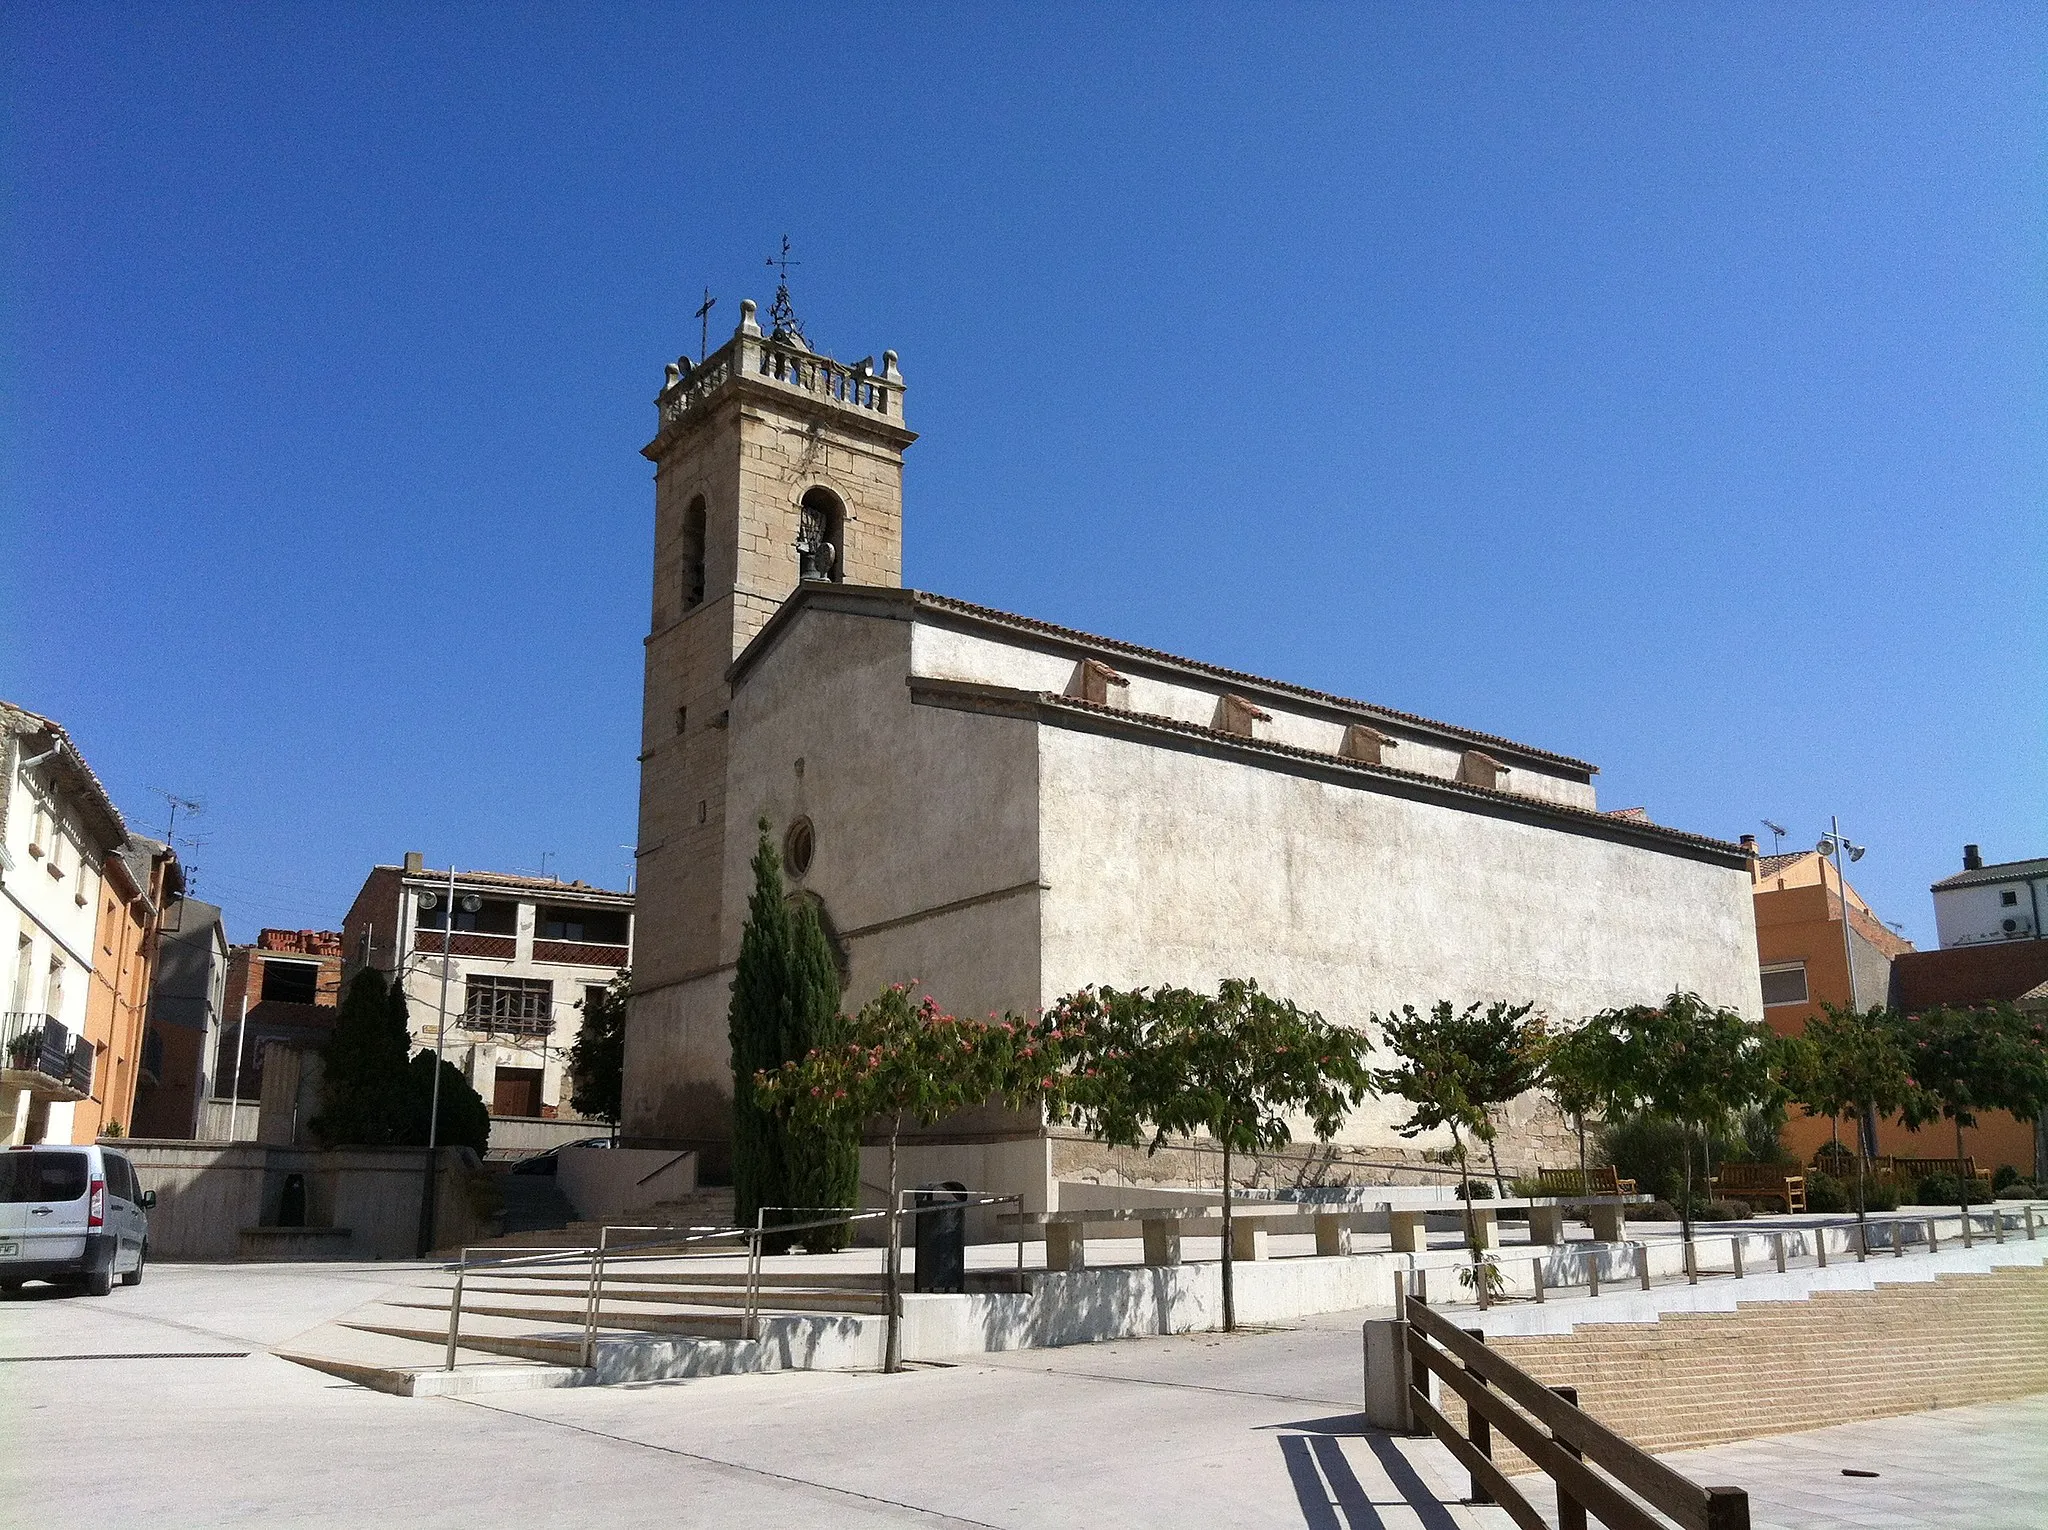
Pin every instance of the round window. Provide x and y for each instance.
(797, 846)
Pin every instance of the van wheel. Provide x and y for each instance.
(134, 1276)
(99, 1282)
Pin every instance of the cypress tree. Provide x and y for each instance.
(363, 1089)
(822, 1163)
(758, 1021)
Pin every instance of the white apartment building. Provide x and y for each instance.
(1982, 904)
(522, 954)
(56, 826)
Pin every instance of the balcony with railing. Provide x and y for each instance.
(41, 1056)
(466, 943)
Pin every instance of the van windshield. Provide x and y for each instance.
(41, 1177)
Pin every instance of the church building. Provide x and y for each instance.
(1006, 810)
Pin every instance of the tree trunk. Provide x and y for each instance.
(1685, 1211)
(892, 1285)
(1963, 1178)
(1500, 1185)
(1471, 1222)
(1862, 1199)
(1581, 1119)
(1229, 1239)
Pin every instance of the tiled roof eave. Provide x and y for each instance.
(974, 696)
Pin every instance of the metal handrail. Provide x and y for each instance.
(598, 1256)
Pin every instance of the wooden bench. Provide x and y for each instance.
(1920, 1168)
(1760, 1181)
(1596, 1179)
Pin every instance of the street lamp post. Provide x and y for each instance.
(427, 1195)
(1834, 843)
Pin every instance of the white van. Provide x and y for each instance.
(71, 1216)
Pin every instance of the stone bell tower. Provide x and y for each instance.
(773, 465)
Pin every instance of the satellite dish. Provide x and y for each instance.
(471, 903)
(429, 900)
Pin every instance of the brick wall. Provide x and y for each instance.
(1701, 1378)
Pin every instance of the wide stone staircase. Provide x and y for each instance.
(543, 1218)
(1704, 1377)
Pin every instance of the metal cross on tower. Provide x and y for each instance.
(703, 317)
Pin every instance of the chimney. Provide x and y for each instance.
(1972, 859)
(414, 861)
(1749, 844)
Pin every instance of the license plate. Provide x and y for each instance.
(9, 1249)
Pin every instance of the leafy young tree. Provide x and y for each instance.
(1693, 1062)
(1851, 1063)
(1574, 1075)
(364, 1088)
(1446, 1074)
(1964, 1061)
(597, 1058)
(898, 1061)
(1142, 1065)
(785, 993)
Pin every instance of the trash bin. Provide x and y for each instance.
(291, 1205)
(941, 1239)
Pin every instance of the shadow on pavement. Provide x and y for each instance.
(1328, 1490)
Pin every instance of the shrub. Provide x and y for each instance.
(2006, 1175)
(2020, 1190)
(1939, 1190)
(1878, 1194)
(1655, 1211)
(1727, 1211)
(1527, 1187)
(1826, 1193)
(1481, 1190)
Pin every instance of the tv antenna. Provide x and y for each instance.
(703, 317)
(193, 807)
(1778, 833)
(781, 314)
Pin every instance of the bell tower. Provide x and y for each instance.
(773, 466)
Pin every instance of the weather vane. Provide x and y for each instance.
(781, 315)
(703, 317)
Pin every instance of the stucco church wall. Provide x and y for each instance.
(1351, 901)
(946, 653)
(925, 855)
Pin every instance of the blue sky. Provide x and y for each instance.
(1660, 385)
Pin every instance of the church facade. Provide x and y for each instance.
(1005, 810)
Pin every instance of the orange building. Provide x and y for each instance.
(137, 882)
(1806, 963)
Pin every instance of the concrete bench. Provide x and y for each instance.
(1546, 1219)
(1163, 1227)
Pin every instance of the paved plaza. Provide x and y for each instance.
(161, 1406)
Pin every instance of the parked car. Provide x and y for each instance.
(72, 1216)
(550, 1162)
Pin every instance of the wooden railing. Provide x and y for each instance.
(1596, 1471)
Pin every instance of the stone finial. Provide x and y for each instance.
(889, 372)
(747, 324)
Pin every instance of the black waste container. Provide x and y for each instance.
(291, 1206)
(941, 1238)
